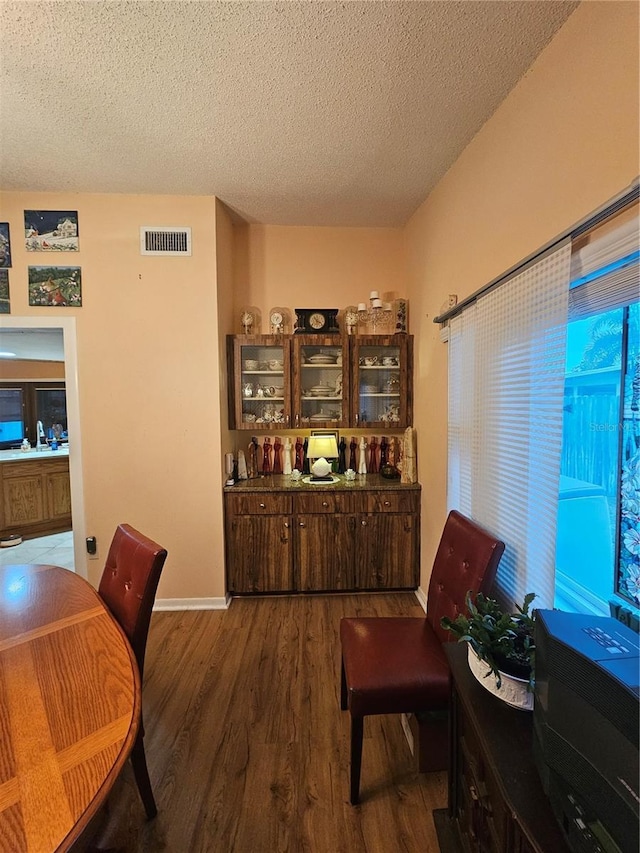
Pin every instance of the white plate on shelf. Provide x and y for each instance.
(321, 359)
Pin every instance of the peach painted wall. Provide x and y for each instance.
(149, 376)
(562, 144)
(300, 267)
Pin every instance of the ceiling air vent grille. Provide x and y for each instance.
(165, 241)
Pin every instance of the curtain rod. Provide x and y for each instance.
(615, 205)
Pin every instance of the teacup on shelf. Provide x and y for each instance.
(274, 364)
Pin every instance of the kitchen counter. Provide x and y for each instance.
(283, 482)
(33, 454)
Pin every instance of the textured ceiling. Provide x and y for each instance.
(302, 113)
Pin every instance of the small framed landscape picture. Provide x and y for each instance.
(5, 246)
(55, 286)
(5, 304)
(51, 230)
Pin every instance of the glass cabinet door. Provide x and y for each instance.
(320, 384)
(261, 390)
(381, 368)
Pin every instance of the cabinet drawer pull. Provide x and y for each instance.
(324, 503)
(301, 524)
(363, 523)
(286, 524)
(262, 506)
(387, 503)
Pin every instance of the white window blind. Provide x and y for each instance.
(604, 273)
(506, 383)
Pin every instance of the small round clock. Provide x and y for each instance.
(317, 320)
(279, 320)
(250, 320)
(351, 319)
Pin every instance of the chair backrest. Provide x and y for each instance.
(129, 582)
(466, 560)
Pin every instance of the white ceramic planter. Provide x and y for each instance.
(513, 690)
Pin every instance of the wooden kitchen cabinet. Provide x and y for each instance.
(320, 368)
(363, 536)
(258, 543)
(381, 381)
(36, 497)
(259, 381)
(320, 381)
(324, 548)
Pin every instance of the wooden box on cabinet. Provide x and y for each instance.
(496, 800)
(36, 496)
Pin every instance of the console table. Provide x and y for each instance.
(496, 800)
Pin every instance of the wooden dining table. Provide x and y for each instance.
(69, 707)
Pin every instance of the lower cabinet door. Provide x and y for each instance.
(386, 551)
(259, 554)
(23, 500)
(58, 494)
(324, 549)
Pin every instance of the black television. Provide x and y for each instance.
(586, 724)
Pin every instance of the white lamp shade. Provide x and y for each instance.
(319, 448)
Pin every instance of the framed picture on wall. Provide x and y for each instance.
(51, 230)
(5, 304)
(59, 287)
(5, 245)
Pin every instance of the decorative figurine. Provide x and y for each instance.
(342, 456)
(266, 460)
(299, 460)
(374, 450)
(286, 462)
(242, 466)
(352, 453)
(384, 447)
(362, 465)
(252, 467)
(277, 460)
(305, 462)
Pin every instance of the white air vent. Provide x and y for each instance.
(165, 241)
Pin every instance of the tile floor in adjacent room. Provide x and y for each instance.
(55, 550)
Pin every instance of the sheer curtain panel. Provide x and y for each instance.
(506, 385)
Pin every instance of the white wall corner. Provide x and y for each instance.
(422, 598)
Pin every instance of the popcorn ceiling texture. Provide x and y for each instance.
(308, 113)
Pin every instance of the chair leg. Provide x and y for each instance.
(344, 702)
(141, 774)
(357, 726)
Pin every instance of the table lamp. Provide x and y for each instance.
(319, 448)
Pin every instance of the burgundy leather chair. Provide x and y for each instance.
(396, 664)
(128, 588)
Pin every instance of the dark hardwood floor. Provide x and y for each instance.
(247, 747)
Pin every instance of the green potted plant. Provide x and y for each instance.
(503, 641)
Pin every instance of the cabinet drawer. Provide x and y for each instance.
(258, 504)
(393, 502)
(334, 502)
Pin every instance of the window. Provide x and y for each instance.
(544, 421)
(23, 404)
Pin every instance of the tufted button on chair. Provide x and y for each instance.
(396, 664)
(128, 588)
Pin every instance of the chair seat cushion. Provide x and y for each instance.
(393, 665)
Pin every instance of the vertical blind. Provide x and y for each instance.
(506, 385)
